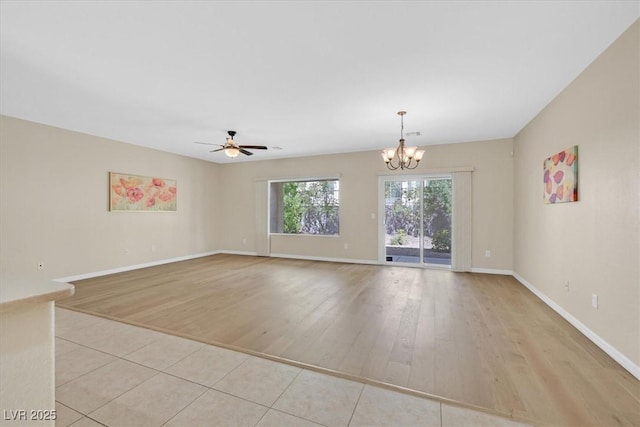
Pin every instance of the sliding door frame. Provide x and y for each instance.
(422, 177)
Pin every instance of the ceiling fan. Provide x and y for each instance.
(231, 149)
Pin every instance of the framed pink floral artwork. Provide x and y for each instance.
(141, 193)
(561, 176)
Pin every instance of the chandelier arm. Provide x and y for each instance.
(390, 164)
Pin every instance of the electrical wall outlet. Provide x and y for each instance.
(487, 253)
(594, 300)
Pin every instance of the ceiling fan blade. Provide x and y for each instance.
(205, 143)
(253, 147)
(248, 153)
(219, 149)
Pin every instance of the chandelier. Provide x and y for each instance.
(405, 157)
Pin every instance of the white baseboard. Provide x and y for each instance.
(203, 254)
(319, 258)
(248, 253)
(492, 271)
(132, 267)
(616, 355)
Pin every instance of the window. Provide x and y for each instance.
(305, 207)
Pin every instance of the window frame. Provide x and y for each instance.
(296, 180)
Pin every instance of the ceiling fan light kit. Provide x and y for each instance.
(232, 152)
(231, 149)
(405, 157)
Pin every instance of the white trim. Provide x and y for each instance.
(319, 258)
(248, 253)
(132, 267)
(415, 177)
(491, 271)
(623, 360)
(300, 178)
(420, 172)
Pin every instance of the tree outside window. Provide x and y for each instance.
(305, 207)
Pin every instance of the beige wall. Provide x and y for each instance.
(359, 173)
(54, 201)
(594, 243)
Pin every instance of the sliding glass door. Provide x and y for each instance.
(417, 220)
(402, 219)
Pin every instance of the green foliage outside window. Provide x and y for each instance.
(310, 207)
(437, 203)
(442, 241)
(402, 216)
(293, 209)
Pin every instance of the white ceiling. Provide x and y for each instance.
(310, 77)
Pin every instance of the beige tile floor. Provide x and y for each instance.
(113, 374)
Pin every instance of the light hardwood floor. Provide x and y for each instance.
(480, 339)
